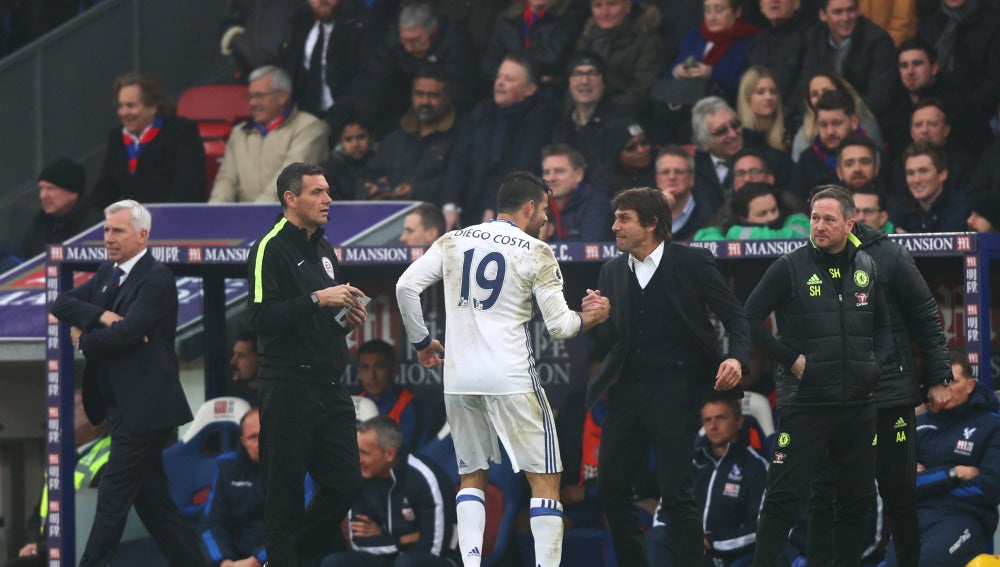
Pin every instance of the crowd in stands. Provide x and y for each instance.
(428, 101)
(734, 109)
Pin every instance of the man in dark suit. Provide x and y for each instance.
(326, 51)
(662, 356)
(124, 320)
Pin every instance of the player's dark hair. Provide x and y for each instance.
(519, 187)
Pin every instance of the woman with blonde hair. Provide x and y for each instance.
(819, 84)
(758, 105)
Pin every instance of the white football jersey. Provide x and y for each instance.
(490, 271)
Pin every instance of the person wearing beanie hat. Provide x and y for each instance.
(985, 213)
(583, 126)
(64, 211)
(632, 155)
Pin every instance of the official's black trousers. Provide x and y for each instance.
(134, 476)
(662, 415)
(844, 439)
(306, 427)
(896, 472)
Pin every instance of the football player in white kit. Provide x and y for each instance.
(491, 272)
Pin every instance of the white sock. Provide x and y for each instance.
(547, 528)
(470, 504)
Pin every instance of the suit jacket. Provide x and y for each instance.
(143, 375)
(695, 282)
(171, 168)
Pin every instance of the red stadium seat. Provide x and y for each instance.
(214, 129)
(214, 150)
(215, 102)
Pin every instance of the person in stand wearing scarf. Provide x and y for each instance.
(836, 119)
(156, 156)
(627, 36)
(578, 211)
(717, 49)
(277, 134)
(966, 36)
(545, 29)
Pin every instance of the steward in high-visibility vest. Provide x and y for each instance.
(86, 474)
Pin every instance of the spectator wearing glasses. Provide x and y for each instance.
(276, 135)
(585, 125)
(749, 166)
(675, 179)
(869, 208)
(720, 137)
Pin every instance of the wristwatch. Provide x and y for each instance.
(314, 297)
(952, 473)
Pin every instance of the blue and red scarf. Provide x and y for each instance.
(265, 129)
(830, 159)
(134, 148)
(530, 18)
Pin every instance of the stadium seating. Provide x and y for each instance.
(215, 102)
(190, 463)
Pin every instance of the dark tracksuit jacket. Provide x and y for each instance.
(417, 498)
(836, 332)
(728, 492)
(234, 516)
(296, 339)
(965, 435)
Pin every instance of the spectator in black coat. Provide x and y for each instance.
(627, 36)
(578, 211)
(346, 167)
(545, 29)
(421, 38)
(782, 44)
(966, 35)
(632, 164)
(836, 119)
(65, 211)
(987, 178)
(865, 54)
(930, 207)
(333, 80)
(584, 126)
(254, 31)
(931, 123)
(919, 72)
(500, 135)
(411, 162)
(156, 156)
(984, 215)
